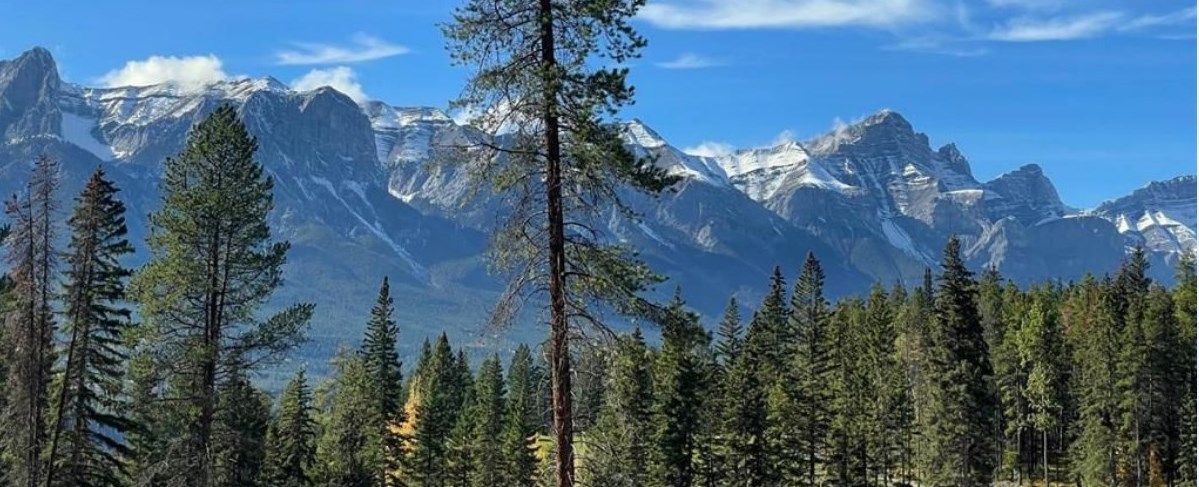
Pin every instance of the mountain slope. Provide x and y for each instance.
(369, 190)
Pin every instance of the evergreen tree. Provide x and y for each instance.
(1011, 380)
(746, 382)
(1184, 311)
(347, 451)
(1096, 327)
(772, 342)
(774, 334)
(1165, 390)
(29, 325)
(959, 441)
(521, 419)
(1134, 368)
(460, 452)
(809, 321)
(382, 363)
(886, 389)
(212, 264)
(243, 415)
(845, 444)
(729, 339)
(487, 416)
(563, 164)
(677, 386)
(437, 392)
(620, 444)
(380, 357)
(291, 448)
(86, 446)
(1040, 349)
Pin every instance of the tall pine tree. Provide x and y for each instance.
(86, 446)
(212, 265)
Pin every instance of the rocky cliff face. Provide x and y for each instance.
(372, 189)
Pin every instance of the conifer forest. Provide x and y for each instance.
(119, 376)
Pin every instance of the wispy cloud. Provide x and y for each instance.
(341, 78)
(188, 72)
(944, 47)
(795, 14)
(363, 48)
(710, 148)
(1085, 26)
(689, 61)
(1032, 29)
(1185, 16)
(1028, 4)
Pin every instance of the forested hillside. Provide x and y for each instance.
(964, 380)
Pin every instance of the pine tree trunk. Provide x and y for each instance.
(559, 332)
(1019, 456)
(1045, 455)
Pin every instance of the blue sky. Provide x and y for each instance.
(1101, 93)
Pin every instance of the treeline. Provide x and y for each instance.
(963, 380)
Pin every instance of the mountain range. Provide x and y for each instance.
(359, 196)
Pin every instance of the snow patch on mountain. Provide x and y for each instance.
(375, 227)
(80, 130)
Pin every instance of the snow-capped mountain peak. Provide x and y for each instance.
(638, 133)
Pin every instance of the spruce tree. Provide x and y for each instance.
(437, 392)
(1165, 390)
(1184, 311)
(521, 420)
(773, 343)
(382, 363)
(729, 339)
(212, 265)
(812, 366)
(1095, 324)
(29, 325)
(1040, 349)
(746, 385)
(291, 448)
(959, 441)
(620, 444)
(243, 415)
(677, 386)
(347, 450)
(460, 452)
(487, 416)
(887, 388)
(380, 357)
(86, 446)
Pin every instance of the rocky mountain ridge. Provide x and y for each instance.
(371, 189)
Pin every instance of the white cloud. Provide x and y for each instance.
(1028, 29)
(190, 73)
(340, 78)
(784, 137)
(364, 48)
(751, 14)
(1185, 16)
(709, 148)
(1028, 4)
(689, 61)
